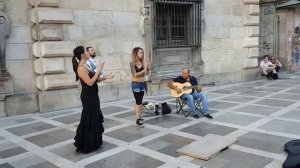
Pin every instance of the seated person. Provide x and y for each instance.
(275, 62)
(196, 93)
(268, 68)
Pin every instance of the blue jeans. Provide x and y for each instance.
(194, 96)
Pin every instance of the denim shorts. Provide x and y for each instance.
(138, 86)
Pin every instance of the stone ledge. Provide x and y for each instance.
(52, 15)
(48, 32)
(251, 20)
(252, 42)
(53, 49)
(251, 2)
(54, 82)
(44, 3)
(49, 65)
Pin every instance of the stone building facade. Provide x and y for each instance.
(279, 35)
(43, 34)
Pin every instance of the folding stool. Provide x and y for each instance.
(182, 102)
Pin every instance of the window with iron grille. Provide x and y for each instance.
(177, 23)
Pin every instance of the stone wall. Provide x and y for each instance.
(41, 43)
(267, 29)
(19, 61)
(230, 40)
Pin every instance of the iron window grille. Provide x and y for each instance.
(177, 23)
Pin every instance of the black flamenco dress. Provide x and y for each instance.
(89, 131)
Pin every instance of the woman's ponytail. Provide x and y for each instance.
(76, 58)
(75, 66)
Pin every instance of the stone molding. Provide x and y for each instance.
(52, 15)
(251, 2)
(47, 32)
(44, 3)
(53, 49)
(49, 66)
(251, 25)
(49, 49)
(57, 81)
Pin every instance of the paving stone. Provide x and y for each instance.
(9, 121)
(289, 127)
(161, 98)
(112, 109)
(280, 85)
(238, 99)
(12, 152)
(274, 102)
(294, 91)
(290, 82)
(44, 165)
(6, 165)
(69, 118)
(287, 96)
(57, 113)
(293, 114)
(129, 103)
(234, 159)
(221, 105)
(110, 123)
(127, 159)
(257, 83)
(5, 145)
(168, 144)
(237, 119)
(269, 89)
(29, 161)
(255, 109)
(128, 116)
(264, 142)
(30, 128)
(211, 95)
(239, 87)
(223, 91)
(254, 93)
(69, 151)
(51, 138)
(167, 121)
(204, 128)
(131, 133)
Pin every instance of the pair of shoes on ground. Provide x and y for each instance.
(206, 115)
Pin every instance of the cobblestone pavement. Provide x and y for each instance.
(263, 115)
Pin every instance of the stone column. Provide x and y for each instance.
(4, 34)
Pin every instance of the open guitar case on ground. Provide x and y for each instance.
(293, 150)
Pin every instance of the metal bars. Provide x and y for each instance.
(177, 23)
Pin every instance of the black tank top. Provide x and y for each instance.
(138, 69)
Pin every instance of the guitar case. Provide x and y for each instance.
(293, 150)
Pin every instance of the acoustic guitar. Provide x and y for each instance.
(187, 88)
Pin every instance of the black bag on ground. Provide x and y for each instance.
(274, 75)
(293, 150)
(165, 108)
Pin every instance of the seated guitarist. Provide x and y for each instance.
(185, 77)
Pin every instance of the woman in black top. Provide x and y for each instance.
(139, 68)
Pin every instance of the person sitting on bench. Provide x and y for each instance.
(268, 68)
(196, 93)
